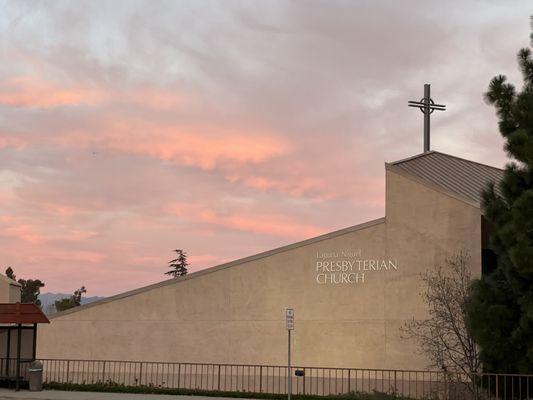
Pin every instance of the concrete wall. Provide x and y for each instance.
(235, 313)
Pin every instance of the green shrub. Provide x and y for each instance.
(113, 387)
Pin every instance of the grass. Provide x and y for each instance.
(111, 387)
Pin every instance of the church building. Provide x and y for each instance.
(351, 290)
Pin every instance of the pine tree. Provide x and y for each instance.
(178, 265)
(500, 310)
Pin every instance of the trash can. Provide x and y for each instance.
(35, 372)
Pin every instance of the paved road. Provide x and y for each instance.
(6, 394)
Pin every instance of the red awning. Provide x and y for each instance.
(17, 313)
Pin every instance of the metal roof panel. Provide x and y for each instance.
(465, 178)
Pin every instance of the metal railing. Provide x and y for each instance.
(273, 379)
(502, 386)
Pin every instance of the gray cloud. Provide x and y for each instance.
(321, 85)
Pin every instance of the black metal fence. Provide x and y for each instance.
(305, 380)
(503, 386)
(244, 378)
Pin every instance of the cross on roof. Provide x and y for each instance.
(427, 106)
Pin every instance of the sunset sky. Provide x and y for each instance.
(225, 128)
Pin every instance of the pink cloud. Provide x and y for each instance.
(277, 225)
(201, 146)
(295, 186)
(70, 256)
(264, 223)
(34, 92)
(38, 233)
(59, 209)
(76, 235)
(10, 141)
(306, 180)
(26, 233)
(198, 261)
(154, 98)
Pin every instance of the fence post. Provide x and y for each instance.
(140, 374)
(349, 381)
(260, 379)
(304, 383)
(445, 386)
(218, 379)
(103, 373)
(68, 370)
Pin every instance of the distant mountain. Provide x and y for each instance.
(48, 300)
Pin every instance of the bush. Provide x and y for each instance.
(114, 387)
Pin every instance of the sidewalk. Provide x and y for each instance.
(6, 394)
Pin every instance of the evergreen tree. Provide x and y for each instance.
(500, 310)
(76, 298)
(30, 289)
(10, 273)
(72, 301)
(63, 304)
(178, 265)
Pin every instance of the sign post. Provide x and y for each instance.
(289, 324)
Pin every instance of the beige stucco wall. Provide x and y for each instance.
(235, 314)
(9, 290)
(424, 226)
(14, 294)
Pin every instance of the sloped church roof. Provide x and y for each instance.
(462, 177)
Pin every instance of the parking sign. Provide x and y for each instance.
(289, 319)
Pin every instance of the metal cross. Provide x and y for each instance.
(427, 106)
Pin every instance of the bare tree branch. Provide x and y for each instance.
(443, 337)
